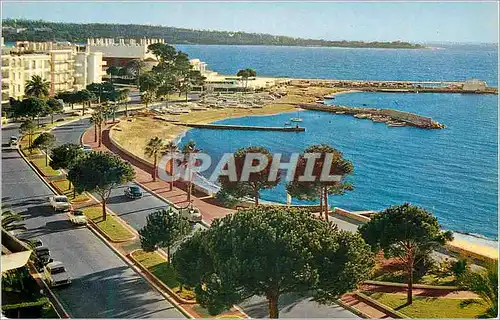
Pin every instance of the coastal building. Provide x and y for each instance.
(216, 82)
(117, 52)
(66, 66)
(474, 85)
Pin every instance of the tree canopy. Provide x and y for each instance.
(100, 172)
(64, 156)
(162, 230)
(54, 106)
(31, 107)
(318, 187)
(28, 127)
(270, 251)
(405, 232)
(44, 141)
(255, 182)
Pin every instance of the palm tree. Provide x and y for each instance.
(485, 284)
(188, 150)
(123, 97)
(154, 147)
(111, 109)
(11, 221)
(171, 149)
(97, 118)
(37, 87)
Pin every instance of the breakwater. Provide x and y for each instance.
(393, 118)
(473, 86)
(236, 127)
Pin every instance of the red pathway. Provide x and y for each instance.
(178, 196)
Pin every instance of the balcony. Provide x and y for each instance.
(78, 75)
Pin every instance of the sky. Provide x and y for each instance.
(420, 22)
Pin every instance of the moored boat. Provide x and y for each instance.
(396, 124)
(296, 119)
(362, 115)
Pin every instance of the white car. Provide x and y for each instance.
(56, 274)
(60, 203)
(192, 214)
(77, 217)
(87, 148)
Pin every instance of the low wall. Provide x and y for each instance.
(235, 127)
(352, 215)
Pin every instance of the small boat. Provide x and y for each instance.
(340, 112)
(287, 124)
(296, 120)
(320, 101)
(396, 124)
(329, 97)
(362, 115)
(380, 119)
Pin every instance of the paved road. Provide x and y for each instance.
(103, 285)
(134, 212)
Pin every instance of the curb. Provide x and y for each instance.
(160, 283)
(56, 304)
(138, 271)
(352, 309)
(415, 286)
(391, 312)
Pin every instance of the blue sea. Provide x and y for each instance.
(451, 172)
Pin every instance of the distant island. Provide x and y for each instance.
(39, 30)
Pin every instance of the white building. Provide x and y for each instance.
(62, 64)
(120, 51)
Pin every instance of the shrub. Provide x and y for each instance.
(459, 268)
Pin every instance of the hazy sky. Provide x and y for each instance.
(408, 21)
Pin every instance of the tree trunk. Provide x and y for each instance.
(69, 185)
(326, 204)
(126, 109)
(186, 96)
(190, 186)
(95, 132)
(46, 157)
(409, 297)
(100, 134)
(168, 254)
(320, 206)
(83, 108)
(256, 197)
(74, 192)
(272, 300)
(104, 213)
(172, 172)
(114, 116)
(153, 174)
(52, 118)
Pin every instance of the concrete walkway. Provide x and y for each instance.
(177, 195)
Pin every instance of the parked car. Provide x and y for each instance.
(56, 274)
(34, 243)
(60, 203)
(77, 217)
(13, 141)
(133, 192)
(87, 148)
(42, 257)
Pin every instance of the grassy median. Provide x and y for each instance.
(47, 171)
(158, 266)
(115, 231)
(432, 307)
(63, 187)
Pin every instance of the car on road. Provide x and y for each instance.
(77, 217)
(33, 243)
(192, 214)
(60, 203)
(42, 257)
(56, 274)
(87, 148)
(13, 141)
(133, 192)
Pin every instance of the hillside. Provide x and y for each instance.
(15, 30)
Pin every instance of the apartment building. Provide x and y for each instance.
(66, 66)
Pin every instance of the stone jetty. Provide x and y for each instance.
(236, 127)
(393, 118)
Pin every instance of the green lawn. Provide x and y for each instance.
(158, 266)
(46, 170)
(427, 307)
(111, 227)
(63, 184)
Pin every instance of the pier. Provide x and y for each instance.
(393, 118)
(237, 127)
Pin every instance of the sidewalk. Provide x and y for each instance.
(177, 196)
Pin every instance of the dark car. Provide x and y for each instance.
(133, 192)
